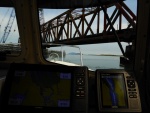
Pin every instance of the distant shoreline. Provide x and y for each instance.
(102, 55)
(72, 53)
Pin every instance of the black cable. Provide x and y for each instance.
(111, 26)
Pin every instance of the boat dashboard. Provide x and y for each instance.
(67, 89)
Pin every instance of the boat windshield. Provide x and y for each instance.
(85, 28)
(9, 34)
(88, 29)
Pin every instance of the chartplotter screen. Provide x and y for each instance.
(41, 88)
(113, 91)
(45, 88)
(117, 91)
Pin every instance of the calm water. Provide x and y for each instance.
(95, 62)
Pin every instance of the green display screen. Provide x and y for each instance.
(41, 88)
(113, 90)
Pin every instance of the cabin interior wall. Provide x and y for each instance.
(147, 67)
(142, 63)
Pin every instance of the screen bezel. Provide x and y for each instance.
(103, 72)
(35, 67)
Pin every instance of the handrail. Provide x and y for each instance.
(50, 44)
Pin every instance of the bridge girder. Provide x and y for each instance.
(75, 27)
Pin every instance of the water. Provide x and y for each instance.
(95, 62)
(102, 62)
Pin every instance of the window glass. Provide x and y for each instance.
(9, 35)
(90, 36)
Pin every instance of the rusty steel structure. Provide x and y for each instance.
(90, 25)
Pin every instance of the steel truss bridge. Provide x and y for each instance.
(101, 24)
(91, 25)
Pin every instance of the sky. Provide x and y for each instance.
(109, 48)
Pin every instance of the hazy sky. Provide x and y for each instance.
(111, 48)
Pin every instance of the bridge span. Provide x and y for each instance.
(91, 25)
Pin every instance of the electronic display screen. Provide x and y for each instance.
(41, 88)
(113, 90)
